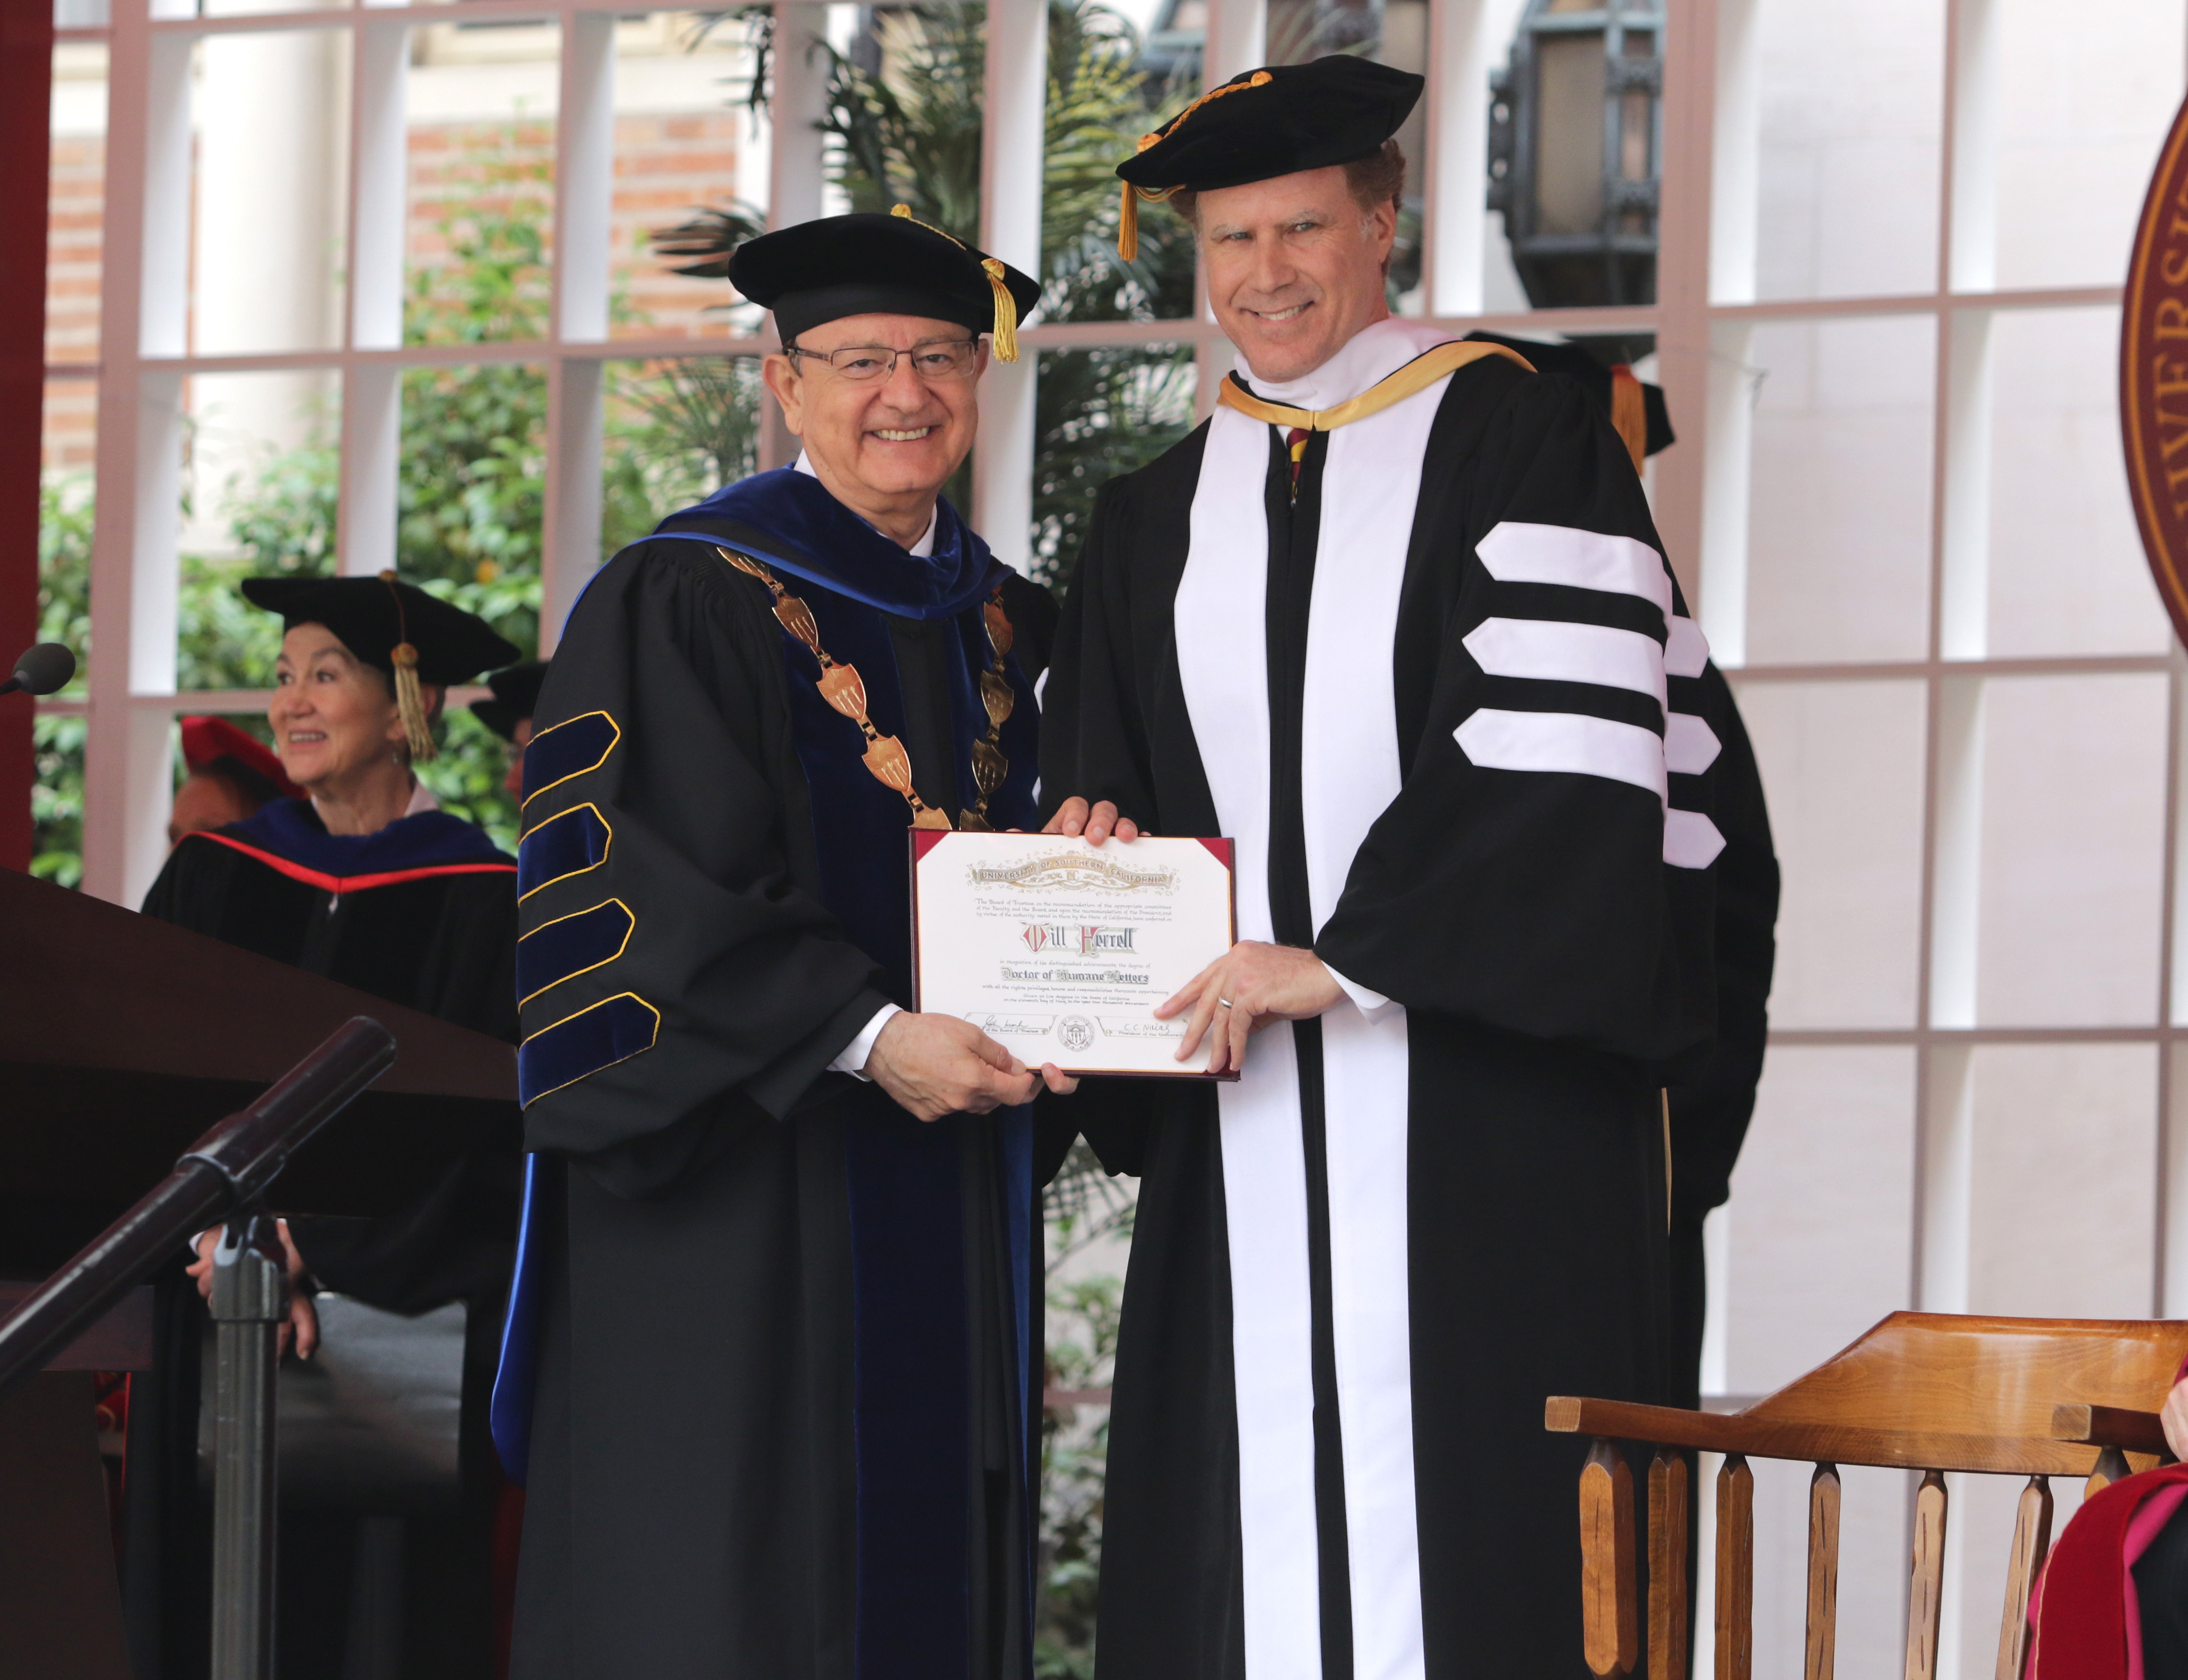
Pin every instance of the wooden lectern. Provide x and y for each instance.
(122, 1040)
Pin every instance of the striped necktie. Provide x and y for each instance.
(1296, 440)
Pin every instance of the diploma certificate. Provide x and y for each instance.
(1060, 951)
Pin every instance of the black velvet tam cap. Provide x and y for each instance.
(822, 271)
(515, 698)
(1277, 120)
(374, 616)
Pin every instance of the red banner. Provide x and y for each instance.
(2154, 374)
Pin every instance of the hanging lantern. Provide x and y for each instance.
(1576, 147)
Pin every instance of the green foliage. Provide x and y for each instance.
(677, 432)
(65, 521)
(1075, 1450)
(909, 133)
(1083, 1206)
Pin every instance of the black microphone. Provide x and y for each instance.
(41, 670)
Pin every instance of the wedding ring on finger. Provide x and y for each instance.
(1224, 1001)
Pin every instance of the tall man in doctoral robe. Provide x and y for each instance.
(769, 1373)
(1398, 622)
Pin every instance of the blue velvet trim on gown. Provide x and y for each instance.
(568, 843)
(612, 1031)
(571, 945)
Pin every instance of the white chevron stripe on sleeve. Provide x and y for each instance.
(1690, 839)
(1518, 553)
(1557, 651)
(1687, 650)
(1690, 746)
(1564, 741)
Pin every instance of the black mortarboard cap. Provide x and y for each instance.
(515, 698)
(393, 626)
(862, 264)
(1647, 423)
(1277, 120)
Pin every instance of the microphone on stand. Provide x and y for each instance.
(41, 670)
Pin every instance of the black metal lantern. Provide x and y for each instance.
(1576, 144)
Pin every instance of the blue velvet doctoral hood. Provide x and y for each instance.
(790, 521)
(290, 829)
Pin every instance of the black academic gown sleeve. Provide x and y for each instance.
(1712, 1101)
(705, 839)
(1529, 902)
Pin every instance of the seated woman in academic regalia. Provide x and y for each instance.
(366, 881)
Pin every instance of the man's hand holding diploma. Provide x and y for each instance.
(1250, 986)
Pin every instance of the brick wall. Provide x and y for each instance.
(665, 164)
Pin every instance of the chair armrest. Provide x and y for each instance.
(1819, 1443)
(2130, 1430)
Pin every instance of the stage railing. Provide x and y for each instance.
(219, 1180)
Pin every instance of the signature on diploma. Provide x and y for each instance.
(1016, 1026)
(1143, 1028)
(1053, 869)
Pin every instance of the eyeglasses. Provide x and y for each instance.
(942, 359)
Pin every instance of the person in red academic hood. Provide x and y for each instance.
(2112, 1603)
(232, 775)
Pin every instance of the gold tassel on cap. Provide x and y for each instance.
(1007, 306)
(1629, 413)
(1128, 215)
(1007, 311)
(410, 701)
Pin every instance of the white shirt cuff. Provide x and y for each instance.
(1373, 1005)
(853, 1060)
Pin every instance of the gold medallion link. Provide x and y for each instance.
(842, 687)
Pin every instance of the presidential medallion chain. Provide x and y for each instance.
(842, 687)
(989, 766)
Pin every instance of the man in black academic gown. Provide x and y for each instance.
(1468, 750)
(770, 1374)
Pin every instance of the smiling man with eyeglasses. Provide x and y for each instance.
(767, 1375)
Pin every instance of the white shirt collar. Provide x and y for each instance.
(921, 549)
(421, 799)
(1371, 354)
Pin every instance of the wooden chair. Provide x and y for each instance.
(1918, 1391)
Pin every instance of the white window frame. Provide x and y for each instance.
(1706, 294)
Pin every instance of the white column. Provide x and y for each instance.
(572, 537)
(267, 248)
(584, 179)
(143, 305)
(585, 176)
(1973, 224)
(1238, 39)
(1455, 177)
(1011, 160)
(372, 396)
(1956, 895)
(1964, 629)
(1682, 265)
(1734, 204)
(1729, 440)
(797, 179)
(801, 101)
